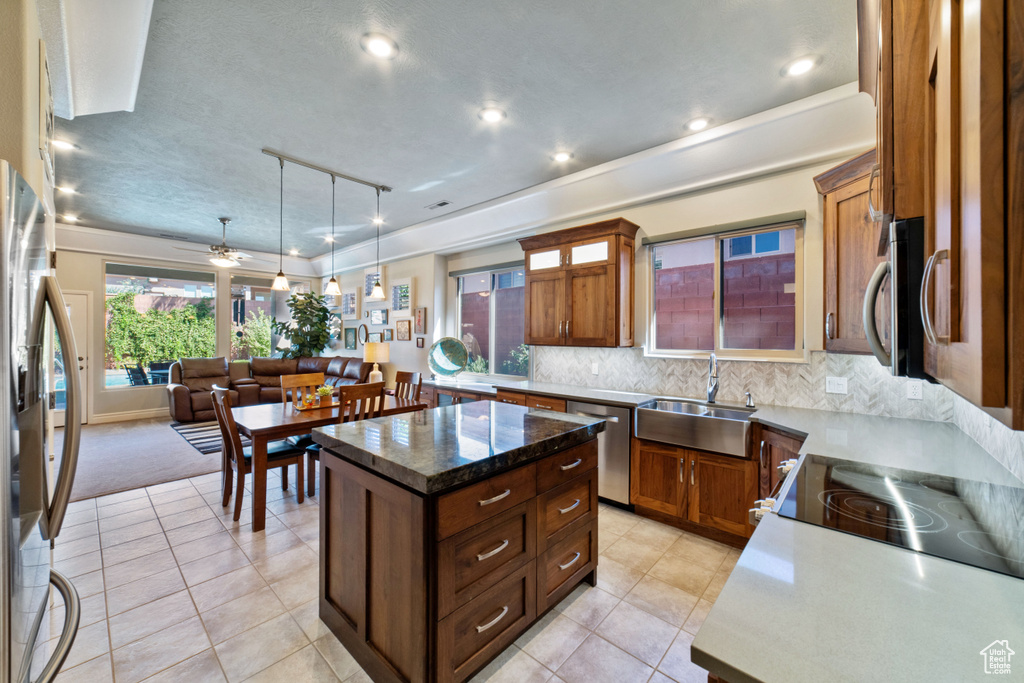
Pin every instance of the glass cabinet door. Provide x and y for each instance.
(590, 253)
(544, 259)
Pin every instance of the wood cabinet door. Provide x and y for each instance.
(545, 300)
(723, 491)
(592, 252)
(774, 448)
(965, 297)
(590, 306)
(545, 260)
(657, 478)
(851, 256)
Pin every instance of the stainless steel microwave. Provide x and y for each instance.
(902, 353)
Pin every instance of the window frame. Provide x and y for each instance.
(797, 355)
(491, 317)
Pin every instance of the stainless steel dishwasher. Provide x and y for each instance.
(612, 449)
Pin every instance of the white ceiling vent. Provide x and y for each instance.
(438, 205)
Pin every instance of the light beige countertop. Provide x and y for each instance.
(806, 603)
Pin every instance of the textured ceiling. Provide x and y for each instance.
(221, 80)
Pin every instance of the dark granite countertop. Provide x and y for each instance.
(432, 451)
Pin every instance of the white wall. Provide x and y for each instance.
(427, 275)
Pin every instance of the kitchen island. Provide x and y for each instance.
(444, 534)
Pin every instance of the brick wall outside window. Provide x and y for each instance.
(757, 312)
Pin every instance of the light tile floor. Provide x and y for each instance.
(173, 590)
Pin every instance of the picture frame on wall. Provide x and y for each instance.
(400, 299)
(389, 334)
(350, 338)
(370, 275)
(379, 316)
(363, 334)
(348, 302)
(403, 330)
(375, 338)
(419, 342)
(420, 320)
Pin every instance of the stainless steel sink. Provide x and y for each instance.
(695, 424)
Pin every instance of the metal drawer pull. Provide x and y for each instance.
(537, 405)
(762, 454)
(483, 556)
(492, 622)
(496, 498)
(570, 508)
(570, 562)
(691, 472)
(569, 467)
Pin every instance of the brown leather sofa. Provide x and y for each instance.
(254, 381)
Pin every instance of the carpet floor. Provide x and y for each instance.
(127, 455)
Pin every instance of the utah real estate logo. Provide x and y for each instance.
(997, 657)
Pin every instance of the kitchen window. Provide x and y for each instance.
(491, 321)
(736, 293)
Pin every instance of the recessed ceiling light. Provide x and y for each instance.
(492, 114)
(293, 252)
(64, 144)
(379, 45)
(562, 157)
(378, 220)
(66, 190)
(698, 124)
(800, 66)
(328, 238)
(69, 218)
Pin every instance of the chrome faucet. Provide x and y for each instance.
(712, 377)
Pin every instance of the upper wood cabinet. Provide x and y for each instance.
(851, 254)
(579, 285)
(894, 36)
(966, 228)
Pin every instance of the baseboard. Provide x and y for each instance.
(127, 415)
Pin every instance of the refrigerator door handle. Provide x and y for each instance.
(72, 414)
(72, 616)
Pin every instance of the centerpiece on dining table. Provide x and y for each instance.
(322, 398)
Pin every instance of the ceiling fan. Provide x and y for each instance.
(222, 255)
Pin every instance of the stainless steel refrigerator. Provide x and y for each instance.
(33, 507)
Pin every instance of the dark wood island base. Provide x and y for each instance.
(432, 587)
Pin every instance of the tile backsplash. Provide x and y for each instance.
(870, 389)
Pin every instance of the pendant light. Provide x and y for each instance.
(281, 282)
(332, 288)
(377, 294)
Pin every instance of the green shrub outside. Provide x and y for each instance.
(142, 338)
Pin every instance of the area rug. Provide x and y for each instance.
(204, 436)
(120, 456)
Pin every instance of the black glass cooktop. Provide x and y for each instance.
(966, 521)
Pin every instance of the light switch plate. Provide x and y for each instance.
(593, 368)
(835, 385)
(915, 390)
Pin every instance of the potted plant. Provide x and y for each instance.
(308, 330)
(323, 394)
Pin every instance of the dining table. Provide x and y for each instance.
(266, 422)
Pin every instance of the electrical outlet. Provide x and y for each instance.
(835, 385)
(915, 390)
(593, 368)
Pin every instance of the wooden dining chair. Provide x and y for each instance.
(358, 402)
(408, 385)
(299, 386)
(279, 453)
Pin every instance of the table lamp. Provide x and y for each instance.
(376, 352)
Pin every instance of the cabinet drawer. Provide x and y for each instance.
(561, 467)
(472, 561)
(545, 403)
(463, 508)
(563, 565)
(558, 508)
(513, 397)
(485, 626)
